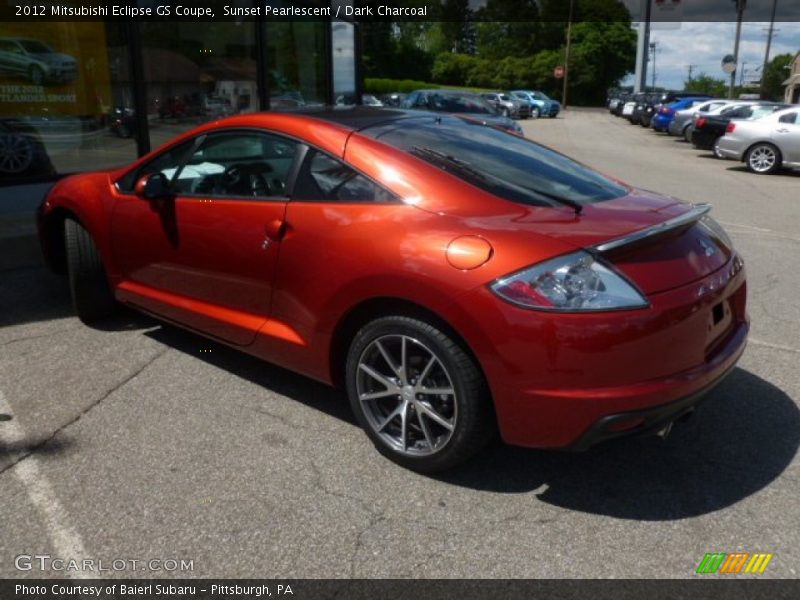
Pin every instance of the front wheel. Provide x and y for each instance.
(535, 112)
(763, 159)
(418, 395)
(91, 293)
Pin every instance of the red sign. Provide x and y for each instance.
(558, 72)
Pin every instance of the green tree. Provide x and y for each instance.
(456, 27)
(777, 72)
(706, 84)
(507, 28)
(602, 54)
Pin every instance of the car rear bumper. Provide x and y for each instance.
(675, 128)
(730, 148)
(554, 377)
(661, 123)
(704, 139)
(653, 420)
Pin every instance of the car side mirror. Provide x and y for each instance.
(153, 186)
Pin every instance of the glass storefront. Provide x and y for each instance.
(59, 84)
(297, 64)
(196, 72)
(77, 96)
(343, 41)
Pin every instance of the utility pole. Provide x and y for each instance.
(691, 70)
(566, 57)
(643, 46)
(741, 75)
(769, 45)
(654, 48)
(740, 6)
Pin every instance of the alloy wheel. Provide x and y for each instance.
(407, 395)
(762, 159)
(16, 153)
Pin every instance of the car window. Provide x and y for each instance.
(762, 111)
(326, 178)
(507, 166)
(788, 118)
(237, 164)
(166, 162)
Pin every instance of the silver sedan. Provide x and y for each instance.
(767, 144)
(681, 125)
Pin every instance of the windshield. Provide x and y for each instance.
(459, 104)
(505, 165)
(35, 47)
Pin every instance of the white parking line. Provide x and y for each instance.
(67, 543)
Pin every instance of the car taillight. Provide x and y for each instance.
(701, 122)
(666, 111)
(731, 127)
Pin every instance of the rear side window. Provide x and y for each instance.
(502, 164)
(790, 118)
(324, 178)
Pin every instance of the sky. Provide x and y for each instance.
(704, 44)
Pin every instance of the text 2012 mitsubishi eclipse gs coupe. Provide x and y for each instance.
(453, 277)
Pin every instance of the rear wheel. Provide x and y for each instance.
(763, 159)
(91, 293)
(687, 133)
(419, 396)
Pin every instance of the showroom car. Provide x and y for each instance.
(453, 278)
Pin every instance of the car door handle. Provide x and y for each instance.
(783, 130)
(274, 231)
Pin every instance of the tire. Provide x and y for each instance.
(763, 159)
(535, 112)
(442, 430)
(687, 133)
(88, 283)
(36, 75)
(506, 113)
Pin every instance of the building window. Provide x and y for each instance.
(61, 85)
(196, 72)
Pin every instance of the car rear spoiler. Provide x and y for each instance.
(697, 212)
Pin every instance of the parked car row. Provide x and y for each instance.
(764, 135)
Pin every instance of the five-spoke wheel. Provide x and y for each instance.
(416, 392)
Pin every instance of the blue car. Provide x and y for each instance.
(666, 113)
(541, 105)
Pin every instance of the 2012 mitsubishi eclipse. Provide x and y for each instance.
(454, 278)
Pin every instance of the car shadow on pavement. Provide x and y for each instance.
(778, 173)
(741, 438)
(309, 392)
(33, 294)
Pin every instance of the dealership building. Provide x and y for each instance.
(89, 95)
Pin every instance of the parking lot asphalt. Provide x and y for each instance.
(141, 441)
